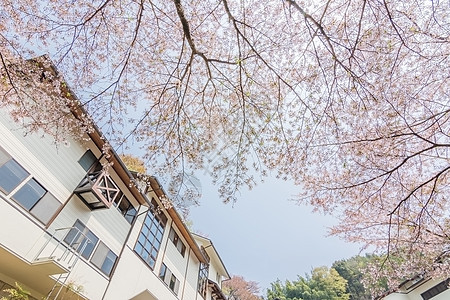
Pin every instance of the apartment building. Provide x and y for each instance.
(71, 229)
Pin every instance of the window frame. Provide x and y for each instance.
(129, 212)
(43, 206)
(436, 290)
(100, 260)
(9, 165)
(203, 275)
(82, 233)
(25, 193)
(150, 237)
(86, 158)
(177, 242)
(169, 279)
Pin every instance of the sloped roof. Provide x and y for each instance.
(213, 254)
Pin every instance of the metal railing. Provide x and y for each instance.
(64, 246)
(63, 250)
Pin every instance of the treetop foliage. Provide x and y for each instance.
(237, 288)
(323, 283)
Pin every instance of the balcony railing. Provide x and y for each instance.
(63, 248)
(59, 255)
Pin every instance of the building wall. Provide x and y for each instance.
(184, 268)
(415, 294)
(132, 276)
(107, 224)
(18, 233)
(57, 169)
(190, 289)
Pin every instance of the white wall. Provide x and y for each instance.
(107, 224)
(190, 289)
(58, 170)
(416, 293)
(55, 167)
(18, 233)
(132, 276)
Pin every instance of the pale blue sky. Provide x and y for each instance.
(265, 236)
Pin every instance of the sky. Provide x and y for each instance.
(265, 236)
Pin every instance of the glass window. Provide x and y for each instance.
(81, 239)
(173, 280)
(104, 259)
(203, 275)
(87, 160)
(29, 194)
(46, 208)
(149, 240)
(11, 175)
(32, 196)
(169, 279)
(173, 236)
(126, 208)
(131, 214)
(162, 272)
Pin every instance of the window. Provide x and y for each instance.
(436, 290)
(81, 239)
(45, 208)
(32, 196)
(203, 279)
(173, 236)
(11, 175)
(104, 259)
(203, 275)
(169, 279)
(125, 208)
(87, 160)
(162, 272)
(150, 237)
(29, 194)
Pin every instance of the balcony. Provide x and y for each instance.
(97, 189)
(47, 274)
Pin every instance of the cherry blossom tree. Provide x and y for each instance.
(349, 99)
(237, 288)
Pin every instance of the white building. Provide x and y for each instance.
(420, 288)
(72, 231)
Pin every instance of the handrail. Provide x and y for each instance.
(71, 253)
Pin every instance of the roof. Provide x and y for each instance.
(213, 254)
(159, 191)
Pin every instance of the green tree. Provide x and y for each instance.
(323, 284)
(17, 293)
(352, 270)
(134, 163)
